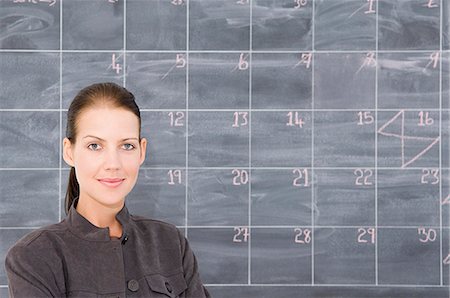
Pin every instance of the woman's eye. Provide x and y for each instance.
(131, 145)
(93, 144)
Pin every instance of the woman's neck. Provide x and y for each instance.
(100, 215)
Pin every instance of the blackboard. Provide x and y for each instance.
(302, 146)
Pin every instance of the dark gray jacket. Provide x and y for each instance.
(75, 258)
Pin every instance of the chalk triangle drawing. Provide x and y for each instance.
(391, 129)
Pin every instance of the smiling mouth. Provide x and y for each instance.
(111, 179)
(111, 182)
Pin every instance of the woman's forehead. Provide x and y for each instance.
(108, 122)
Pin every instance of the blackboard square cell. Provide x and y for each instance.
(280, 197)
(158, 81)
(408, 80)
(445, 198)
(159, 197)
(218, 197)
(408, 138)
(445, 25)
(345, 197)
(166, 138)
(29, 26)
(408, 25)
(281, 81)
(281, 139)
(26, 69)
(344, 256)
(445, 130)
(259, 291)
(405, 258)
(219, 25)
(445, 80)
(30, 139)
(216, 81)
(446, 254)
(341, 142)
(37, 203)
(408, 197)
(344, 81)
(156, 25)
(281, 25)
(278, 259)
(423, 148)
(82, 69)
(345, 25)
(222, 254)
(218, 139)
(92, 25)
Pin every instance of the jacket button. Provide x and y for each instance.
(133, 285)
(168, 287)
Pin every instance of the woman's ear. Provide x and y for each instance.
(143, 150)
(67, 152)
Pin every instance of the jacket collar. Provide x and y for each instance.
(83, 228)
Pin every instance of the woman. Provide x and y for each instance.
(100, 249)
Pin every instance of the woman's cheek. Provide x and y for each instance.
(131, 161)
(91, 161)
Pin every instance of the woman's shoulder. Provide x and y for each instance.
(33, 262)
(34, 256)
(36, 241)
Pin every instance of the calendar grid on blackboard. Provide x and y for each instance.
(383, 171)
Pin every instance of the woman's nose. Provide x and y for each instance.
(112, 159)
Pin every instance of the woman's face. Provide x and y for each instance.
(108, 155)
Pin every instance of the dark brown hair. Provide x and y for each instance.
(106, 94)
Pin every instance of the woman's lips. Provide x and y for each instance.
(111, 182)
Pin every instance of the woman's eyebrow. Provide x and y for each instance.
(105, 140)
